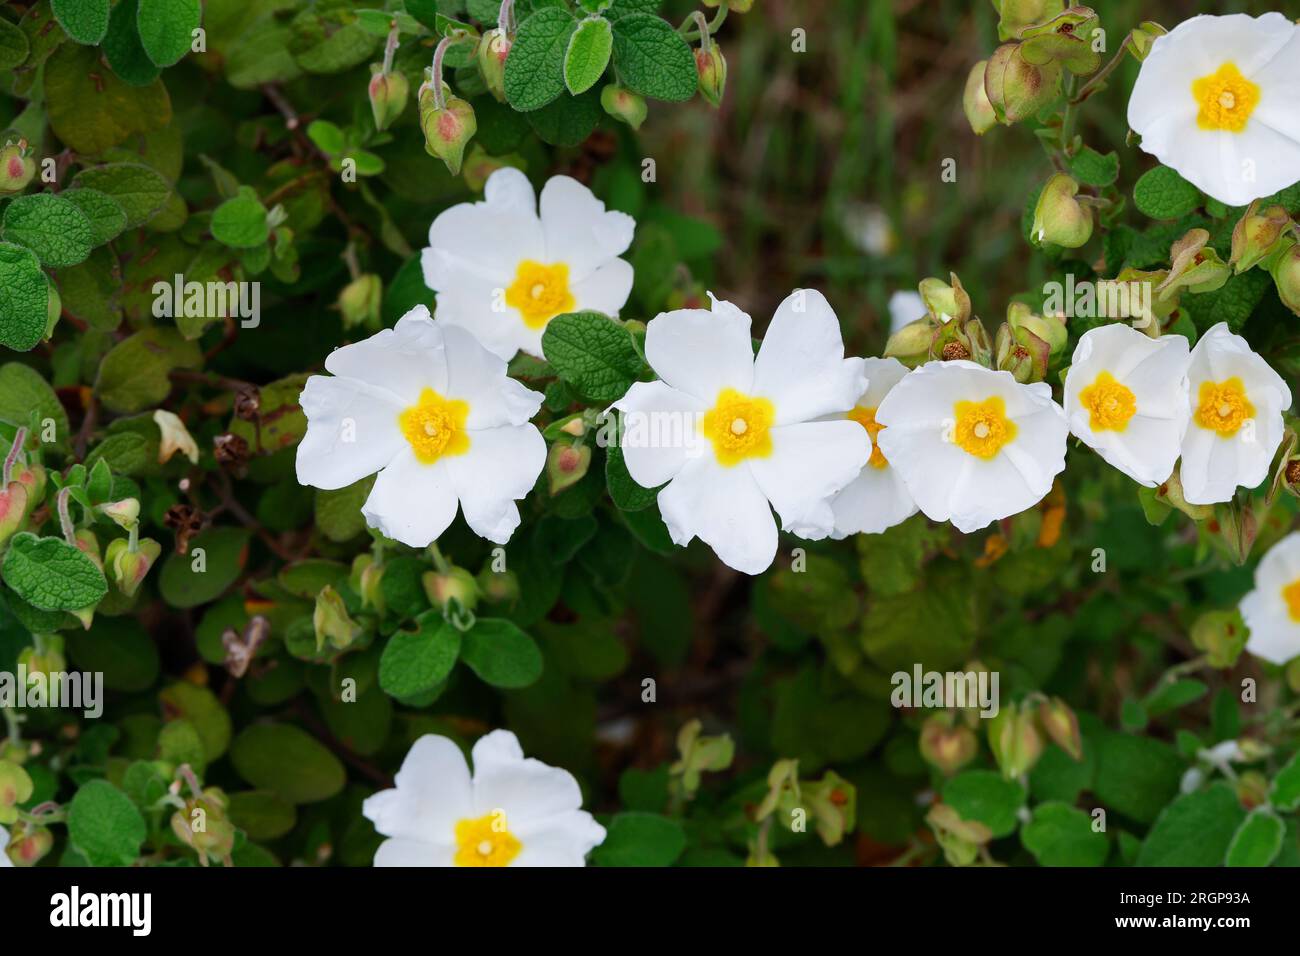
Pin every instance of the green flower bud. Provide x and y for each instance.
(125, 513)
(32, 477)
(699, 754)
(960, 839)
(1016, 89)
(1015, 741)
(491, 52)
(735, 6)
(498, 587)
(360, 300)
(367, 576)
(566, 465)
(16, 168)
(911, 344)
(128, 568)
(1221, 636)
(29, 844)
(1015, 15)
(1170, 492)
(1020, 352)
(1066, 39)
(1062, 726)
(202, 825)
(1252, 789)
(624, 105)
(446, 130)
(457, 584)
(1257, 235)
(88, 544)
(945, 302)
(1141, 38)
(712, 68)
(388, 95)
(1194, 266)
(15, 788)
(782, 790)
(832, 803)
(332, 623)
(946, 747)
(45, 656)
(1051, 328)
(975, 102)
(14, 503)
(1286, 273)
(1059, 218)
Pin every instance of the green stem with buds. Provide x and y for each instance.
(65, 516)
(695, 22)
(1098, 78)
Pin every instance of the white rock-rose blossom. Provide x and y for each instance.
(1272, 610)
(734, 436)
(434, 413)
(513, 811)
(503, 268)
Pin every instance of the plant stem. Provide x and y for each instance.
(65, 516)
(1100, 76)
(439, 98)
(390, 47)
(20, 438)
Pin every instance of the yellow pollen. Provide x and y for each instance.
(866, 417)
(1291, 595)
(485, 842)
(540, 292)
(1223, 407)
(1227, 99)
(982, 428)
(737, 425)
(1110, 405)
(435, 426)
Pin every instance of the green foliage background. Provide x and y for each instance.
(226, 164)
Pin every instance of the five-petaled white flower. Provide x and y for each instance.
(1237, 402)
(877, 499)
(973, 445)
(434, 413)
(514, 811)
(1272, 610)
(1216, 99)
(1126, 398)
(503, 271)
(730, 433)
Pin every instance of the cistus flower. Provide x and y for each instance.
(734, 435)
(1216, 101)
(876, 499)
(1126, 399)
(1272, 609)
(503, 271)
(433, 412)
(513, 811)
(973, 446)
(1237, 402)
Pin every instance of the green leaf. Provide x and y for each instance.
(593, 353)
(652, 58)
(416, 662)
(1136, 776)
(984, 796)
(261, 814)
(501, 654)
(1172, 696)
(51, 226)
(85, 21)
(106, 217)
(240, 222)
(1062, 835)
(1163, 194)
(121, 650)
(52, 575)
(90, 109)
(567, 121)
(288, 762)
(138, 189)
(215, 559)
(1285, 790)
(623, 488)
(1194, 830)
(104, 826)
(200, 707)
(623, 8)
(133, 375)
(1258, 840)
(23, 392)
(123, 49)
(640, 839)
(166, 28)
(24, 299)
(13, 46)
(327, 38)
(338, 512)
(588, 54)
(535, 66)
(1091, 168)
(1234, 302)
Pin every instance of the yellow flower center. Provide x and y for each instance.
(866, 417)
(1110, 405)
(1291, 595)
(738, 427)
(982, 428)
(435, 426)
(1226, 98)
(1223, 407)
(540, 292)
(485, 842)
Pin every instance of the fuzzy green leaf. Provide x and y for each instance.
(51, 226)
(24, 298)
(415, 662)
(104, 825)
(652, 58)
(588, 54)
(501, 654)
(1162, 194)
(535, 66)
(84, 21)
(52, 575)
(593, 353)
(166, 28)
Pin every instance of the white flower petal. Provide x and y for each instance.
(526, 790)
(472, 304)
(701, 352)
(882, 375)
(432, 793)
(578, 229)
(1274, 634)
(904, 308)
(411, 502)
(873, 502)
(606, 289)
(352, 431)
(502, 465)
(660, 431)
(409, 853)
(801, 365)
(478, 377)
(725, 509)
(404, 359)
(4, 842)
(809, 463)
(485, 240)
(563, 840)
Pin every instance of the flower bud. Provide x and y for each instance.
(88, 544)
(566, 465)
(782, 790)
(175, 437)
(332, 623)
(45, 656)
(1059, 218)
(457, 584)
(29, 844)
(945, 302)
(1194, 266)
(125, 513)
(32, 477)
(446, 130)
(1016, 89)
(1170, 492)
(832, 803)
(700, 754)
(367, 576)
(1141, 38)
(961, 839)
(1256, 235)
(1238, 527)
(1050, 328)
(1286, 273)
(498, 587)
(911, 344)
(128, 568)
(624, 105)
(16, 168)
(388, 94)
(975, 102)
(1062, 726)
(202, 825)
(15, 788)
(1020, 352)
(1015, 741)
(1015, 15)
(1221, 636)
(1065, 39)
(946, 747)
(491, 52)
(13, 509)
(711, 65)
(1252, 789)
(360, 300)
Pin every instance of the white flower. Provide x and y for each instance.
(1237, 403)
(1126, 398)
(905, 308)
(730, 432)
(502, 271)
(514, 811)
(1272, 609)
(4, 843)
(434, 413)
(973, 446)
(1216, 99)
(877, 499)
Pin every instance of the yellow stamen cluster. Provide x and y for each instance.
(738, 425)
(982, 428)
(1223, 407)
(485, 841)
(1226, 99)
(540, 292)
(866, 417)
(435, 426)
(1110, 405)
